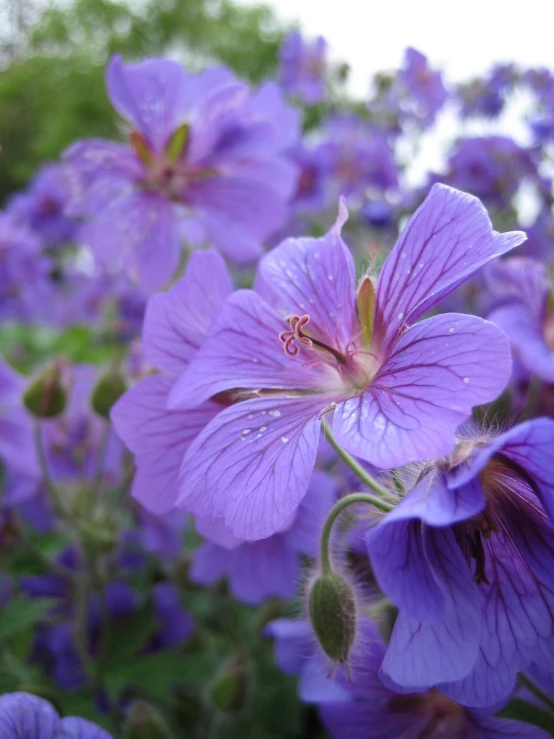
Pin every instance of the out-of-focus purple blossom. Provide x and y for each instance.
(203, 147)
(17, 446)
(541, 82)
(468, 558)
(42, 206)
(174, 623)
(304, 343)
(486, 96)
(355, 155)
(269, 567)
(174, 327)
(527, 312)
(27, 716)
(303, 67)
(377, 213)
(21, 265)
(426, 93)
(312, 187)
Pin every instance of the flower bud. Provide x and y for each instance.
(332, 607)
(229, 688)
(109, 388)
(46, 397)
(144, 722)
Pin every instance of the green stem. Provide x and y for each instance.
(100, 462)
(355, 466)
(45, 472)
(340, 505)
(533, 688)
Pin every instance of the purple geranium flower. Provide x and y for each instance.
(269, 567)
(174, 326)
(528, 314)
(397, 389)
(468, 557)
(426, 90)
(17, 446)
(303, 66)
(202, 147)
(27, 716)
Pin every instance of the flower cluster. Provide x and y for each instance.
(352, 412)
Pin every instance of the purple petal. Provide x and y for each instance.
(317, 685)
(447, 239)
(303, 536)
(263, 569)
(210, 565)
(488, 727)
(27, 716)
(315, 277)
(252, 465)
(158, 438)
(151, 95)
(527, 338)
(365, 720)
(294, 643)
(439, 369)
(216, 532)
(423, 653)
(243, 350)
(176, 321)
(79, 728)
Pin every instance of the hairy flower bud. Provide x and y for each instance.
(144, 722)
(332, 607)
(46, 397)
(109, 388)
(228, 691)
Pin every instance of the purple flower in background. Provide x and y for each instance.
(27, 716)
(42, 206)
(468, 558)
(303, 66)
(487, 96)
(303, 344)
(356, 156)
(269, 567)
(174, 327)
(426, 91)
(17, 446)
(203, 148)
(527, 316)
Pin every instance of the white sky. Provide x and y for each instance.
(463, 37)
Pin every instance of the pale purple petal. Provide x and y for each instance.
(217, 533)
(303, 536)
(263, 569)
(314, 277)
(423, 653)
(317, 685)
(26, 716)
(151, 95)
(252, 465)
(294, 643)
(210, 565)
(158, 438)
(439, 369)
(243, 350)
(526, 335)
(447, 239)
(79, 728)
(176, 321)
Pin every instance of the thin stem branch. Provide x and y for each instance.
(45, 472)
(340, 505)
(539, 693)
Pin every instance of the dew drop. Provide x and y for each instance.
(275, 413)
(263, 428)
(255, 360)
(330, 278)
(246, 431)
(400, 316)
(284, 439)
(451, 330)
(466, 380)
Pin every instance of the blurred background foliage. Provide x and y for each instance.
(53, 55)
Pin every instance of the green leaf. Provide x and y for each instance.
(22, 613)
(520, 710)
(128, 636)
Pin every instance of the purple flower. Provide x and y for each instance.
(27, 716)
(468, 557)
(17, 446)
(269, 567)
(42, 206)
(426, 91)
(397, 389)
(528, 315)
(355, 155)
(303, 66)
(175, 624)
(202, 147)
(174, 326)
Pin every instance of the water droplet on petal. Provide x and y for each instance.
(466, 380)
(275, 413)
(284, 439)
(263, 428)
(400, 316)
(451, 330)
(246, 431)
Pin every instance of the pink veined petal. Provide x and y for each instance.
(151, 95)
(252, 464)
(447, 239)
(438, 370)
(158, 438)
(527, 338)
(243, 350)
(317, 277)
(422, 653)
(176, 321)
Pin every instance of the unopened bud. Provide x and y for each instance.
(144, 722)
(46, 397)
(229, 689)
(332, 607)
(109, 388)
